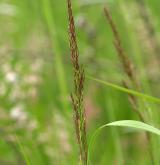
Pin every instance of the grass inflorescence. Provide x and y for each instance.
(128, 68)
(77, 95)
(36, 123)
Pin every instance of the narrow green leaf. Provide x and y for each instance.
(134, 124)
(129, 91)
(123, 123)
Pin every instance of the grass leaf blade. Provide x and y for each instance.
(123, 123)
(125, 90)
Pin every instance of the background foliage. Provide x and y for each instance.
(36, 80)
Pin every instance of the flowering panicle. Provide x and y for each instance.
(129, 70)
(127, 64)
(77, 96)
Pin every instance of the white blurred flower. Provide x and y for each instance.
(18, 113)
(8, 9)
(11, 76)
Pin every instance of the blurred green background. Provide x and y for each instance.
(36, 79)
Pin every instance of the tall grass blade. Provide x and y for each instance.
(134, 124)
(123, 123)
(125, 90)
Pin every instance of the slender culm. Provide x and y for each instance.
(127, 64)
(77, 95)
(128, 68)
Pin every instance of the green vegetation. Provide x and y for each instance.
(71, 74)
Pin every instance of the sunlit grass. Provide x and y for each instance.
(36, 81)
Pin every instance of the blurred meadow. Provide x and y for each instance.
(36, 80)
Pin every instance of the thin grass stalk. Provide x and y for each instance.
(140, 64)
(146, 85)
(126, 62)
(128, 68)
(77, 95)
